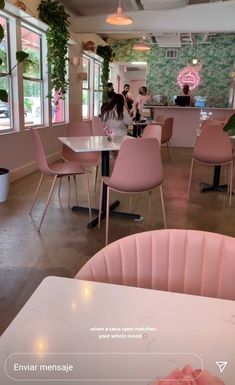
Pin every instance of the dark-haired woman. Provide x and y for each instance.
(115, 116)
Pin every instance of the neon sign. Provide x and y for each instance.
(189, 75)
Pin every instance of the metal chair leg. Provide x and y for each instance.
(59, 189)
(190, 181)
(76, 188)
(69, 192)
(150, 206)
(36, 193)
(96, 177)
(107, 219)
(100, 205)
(89, 194)
(163, 208)
(47, 203)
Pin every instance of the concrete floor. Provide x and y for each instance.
(65, 243)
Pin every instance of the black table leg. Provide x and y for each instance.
(204, 187)
(94, 221)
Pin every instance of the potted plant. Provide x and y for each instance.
(20, 57)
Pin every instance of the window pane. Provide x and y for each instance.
(97, 103)
(5, 108)
(32, 102)
(58, 107)
(97, 77)
(85, 104)
(86, 68)
(31, 43)
(4, 68)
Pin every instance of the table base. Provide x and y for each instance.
(205, 187)
(94, 221)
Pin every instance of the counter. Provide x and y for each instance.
(187, 120)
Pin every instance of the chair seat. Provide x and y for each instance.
(122, 188)
(67, 168)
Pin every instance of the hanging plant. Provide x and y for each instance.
(20, 57)
(106, 52)
(53, 13)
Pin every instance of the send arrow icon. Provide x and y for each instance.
(221, 365)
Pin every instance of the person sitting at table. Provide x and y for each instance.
(142, 99)
(115, 116)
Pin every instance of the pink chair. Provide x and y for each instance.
(167, 130)
(213, 147)
(183, 261)
(56, 170)
(88, 159)
(98, 127)
(138, 168)
(153, 131)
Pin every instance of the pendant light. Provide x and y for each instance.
(119, 18)
(141, 46)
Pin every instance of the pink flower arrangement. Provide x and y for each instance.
(190, 376)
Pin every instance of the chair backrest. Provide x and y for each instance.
(153, 131)
(41, 161)
(183, 261)
(167, 129)
(213, 146)
(138, 166)
(79, 129)
(97, 126)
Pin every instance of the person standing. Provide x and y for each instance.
(142, 99)
(128, 98)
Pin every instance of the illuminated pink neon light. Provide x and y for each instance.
(189, 75)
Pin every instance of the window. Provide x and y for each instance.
(5, 79)
(97, 91)
(58, 108)
(86, 89)
(91, 92)
(32, 77)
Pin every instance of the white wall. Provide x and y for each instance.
(16, 151)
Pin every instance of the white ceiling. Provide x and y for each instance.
(154, 16)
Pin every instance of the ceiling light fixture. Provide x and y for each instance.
(141, 46)
(119, 18)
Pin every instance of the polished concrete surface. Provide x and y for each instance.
(65, 243)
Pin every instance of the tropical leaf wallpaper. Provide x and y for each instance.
(217, 60)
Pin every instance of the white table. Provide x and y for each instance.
(83, 144)
(54, 327)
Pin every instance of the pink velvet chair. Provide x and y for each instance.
(98, 127)
(213, 147)
(183, 261)
(153, 131)
(138, 168)
(56, 170)
(88, 159)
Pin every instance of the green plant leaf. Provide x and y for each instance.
(21, 56)
(1, 32)
(4, 96)
(2, 4)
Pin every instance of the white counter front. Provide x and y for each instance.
(187, 120)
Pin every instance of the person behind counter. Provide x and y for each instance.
(185, 93)
(115, 116)
(142, 99)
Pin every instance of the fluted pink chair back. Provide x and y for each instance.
(41, 160)
(80, 129)
(153, 131)
(138, 166)
(167, 129)
(98, 126)
(213, 146)
(183, 261)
